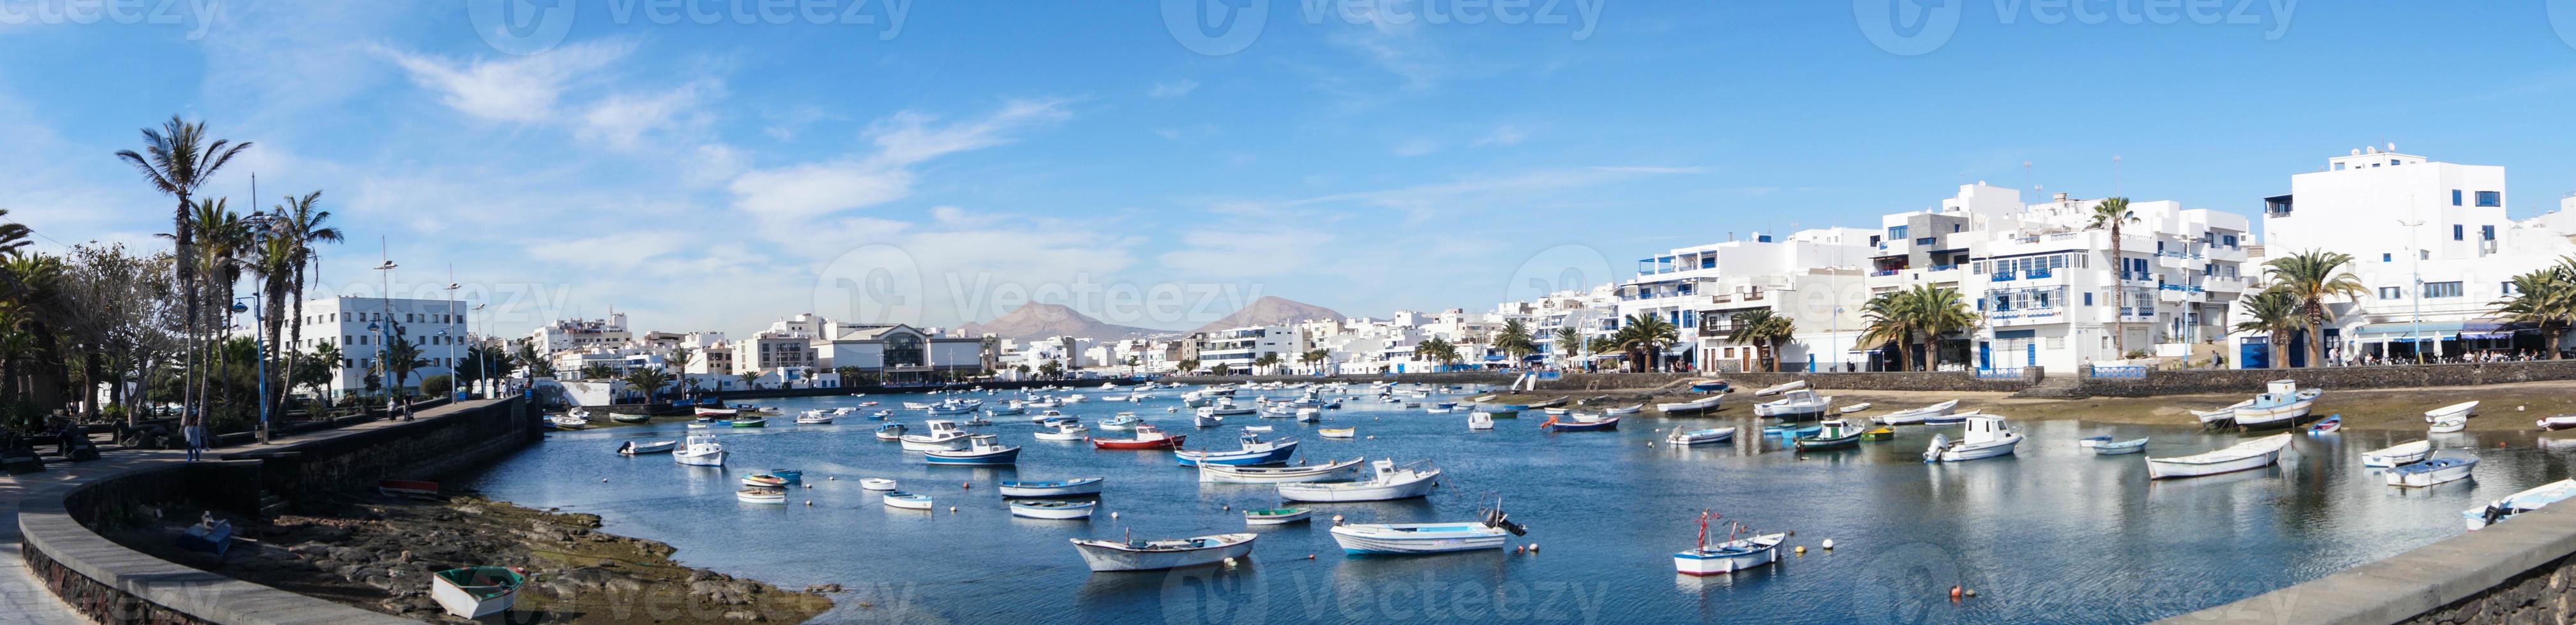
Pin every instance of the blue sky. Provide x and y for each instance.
(944, 166)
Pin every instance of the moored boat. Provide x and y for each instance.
(1155, 555)
(907, 501)
(1060, 431)
(701, 450)
(1254, 452)
(1700, 437)
(1489, 532)
(1917, 415)
(1624, 410)
(1390, 483)
(635, 448)
(1831, 435)
(750, 422)
(1480, 420)
(1330, 471)
(876, 483)
(982, 450)
(2328, 425)
(2518, 503)
(1986, 437)
(1780, 388)
(1337, 432)
(2461, 410)
(1057, 488)
(2283, 405)
(2248, 455)
(890, 432)
(1146, 437)
(2559, 422)
(1730, 556)
(622, 417)
(1854, 408)
(942, 436)
(1580, 422)
(1702, 405)
(2455, 423)
(2398, 454)
(1795, 405)
(762, 495)
(814, 417)
(1276, 516)
(2114, 448)
(1054, 510)
(764, 480)
(2440, 468)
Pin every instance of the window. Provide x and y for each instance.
(2088, 298)
(2390, 292)
(2338, 167)
(1896, 233)
(2455, 197)
(1927, 241)
(2459, 232)
(2510, 290)
(2490, 198)
(2442, 289)
(2230, 239)
(2487, 232)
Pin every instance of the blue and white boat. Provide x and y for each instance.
(1057, 488)
(1376, 539)
(1580, 422)
(981, 451)
(1121, 422)
(2114, 448)
(2518, 503)
(1696, 437)
(2435, 470)
(1255, 452)
(1729, 556)
(1056, 510)
(791, 475)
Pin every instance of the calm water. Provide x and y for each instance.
(2051, 534)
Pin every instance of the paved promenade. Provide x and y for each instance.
(24, 599)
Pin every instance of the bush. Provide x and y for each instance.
(437, 385)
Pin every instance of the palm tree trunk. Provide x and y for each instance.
(2317, 343)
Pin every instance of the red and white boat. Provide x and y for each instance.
(1147, 437)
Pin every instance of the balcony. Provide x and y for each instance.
(2003, 276)
(2026, 317)
(1942, 268)
(1884, 273)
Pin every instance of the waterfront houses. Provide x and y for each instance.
(361, 327)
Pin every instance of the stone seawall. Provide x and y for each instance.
(415, 450)
(2522, 570)
(2330, 378)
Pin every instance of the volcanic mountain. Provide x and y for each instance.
(1272, 311)
(1037, 321)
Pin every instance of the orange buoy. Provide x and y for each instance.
(966, 486)
(1955, 592)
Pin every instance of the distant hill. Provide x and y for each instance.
(1272, 311)
(1037, 321)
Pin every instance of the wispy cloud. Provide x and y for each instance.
(885, 175)
(1173, 89)
(1505, 134)
(517, 89)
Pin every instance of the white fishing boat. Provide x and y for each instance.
(2282, 406)
(2398, 454)
(1781, 388)
(1063, 431)
(1258, 428)
(814, 417)
(1855, 408)
(2248, 455)
(1692, 407)
(1310, 415)
(1253, 452)
(1700, 437)
(1917, 415)
(1276, 516)
(1155, 555)
(1330, 471)
(1206, 420)
(890, 432)
(941, 435)
(1986, 437)
(2455, 424)
(1625, 410)
(876, 483)
(762, 495)
(1225, 407)
(2440, 468)
(636, 448)
(1054, 510)
(1078, 487)
(475, 592)
(907, 501)
(1046, 415)
(2220, 417)
(2461, 410)
(1390, 483)
(1730, 556)
(1395, 539)
(2518, 503)
(1798, 404)
(2559, 422)
(1480, 420)
(701, 450)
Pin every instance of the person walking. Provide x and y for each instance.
(194, 428)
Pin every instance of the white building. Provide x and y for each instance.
(2401, 216)
(362, 326)
(571, 334)
(1700, 289)
(1238, 348)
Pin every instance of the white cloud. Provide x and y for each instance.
(520, 89)
(1416, 147)
(1505, 134)
(1232, 253)
(1173, 89)
(622, 120)
(858, 181)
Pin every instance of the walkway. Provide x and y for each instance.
(23, 598)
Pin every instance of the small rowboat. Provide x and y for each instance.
(1276, 516)
(2518, 503)
(621, 417)
(2252, 454)
(2220, 417)
(1012, 489)
(1697, 437)
(1578, 422)
(1156, 555)
(762, 495)
(764, 480)
(1880, 434)
(907, 501)
(2455, 424)
(2399, 454)
(2461, 410)
(632, 448)
(1625, 410)
(477, 591)
(876, 483)
(814, 417)
(1917, 415)
(1778, 389)
(2559, 422)
(1054, 510)
(791, 475)
(1855, 408)
(754, 422)
(2329, 425)
(1692, 407)
(2431, 471)
(1337, 432)
(2108, 448)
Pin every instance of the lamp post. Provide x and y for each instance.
(384, 368)
(259, 339)
(482, 363)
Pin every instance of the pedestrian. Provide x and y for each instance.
(193, 427)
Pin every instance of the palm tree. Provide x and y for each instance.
(1268, 360)
(1766, 330)
(2545, 298)
(2274, 313)
(222, 237)
(328, 356)
(1186, 365)
(402, 357)
(301, 224)
(1647, 334)
(648, 380)
(2312, 277)
(1569, 344)
(1515, 341)
(273, 261)
(749, 379)
(2114, 213)
(1432, 349)
(1891, 320)
(1938, 310)
(175, 161)
(1313, 356)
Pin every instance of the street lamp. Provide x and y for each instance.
(384, 368)
(2415, 335)
(482, 362)
(261, 340)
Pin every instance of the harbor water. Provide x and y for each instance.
(2053, 533)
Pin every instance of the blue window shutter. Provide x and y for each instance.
(2455, 197)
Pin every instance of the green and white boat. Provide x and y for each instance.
(1276, 516)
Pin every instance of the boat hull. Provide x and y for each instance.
(1375, 540)
(1701, 437)
(1221, 474)
(2401, 454)
(1078, 510)
(1072, 488)
(1168, 443)
(1730, 557)
(2233, 459)
(699, 459)
(1006, 456)
(474, 599)
(2402, 476)
(1419, 486)
(1103, 558)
